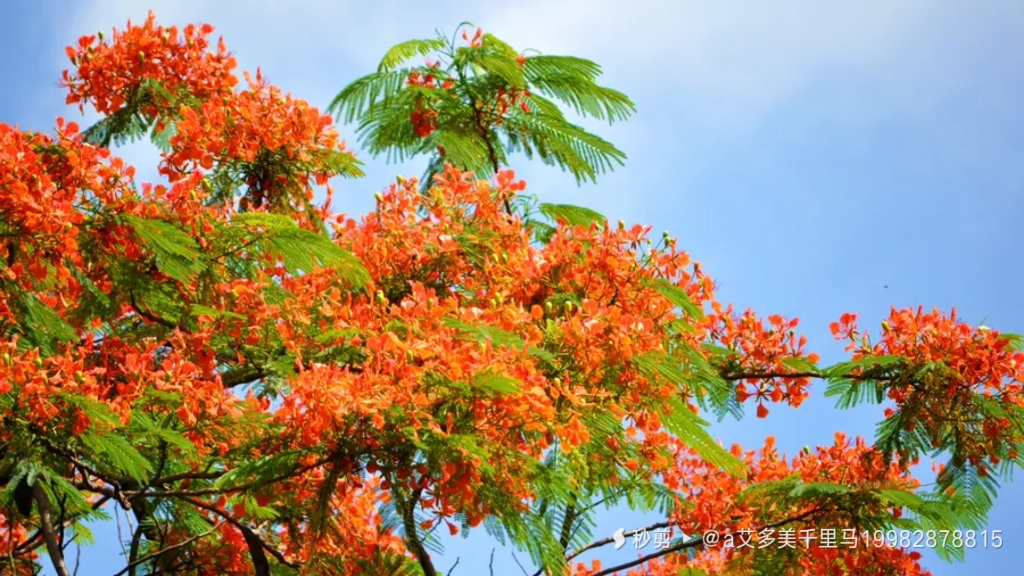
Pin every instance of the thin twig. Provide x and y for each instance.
(120, 536)
(78, 555)
(520, 565)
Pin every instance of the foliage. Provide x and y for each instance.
(474, 105)
(268, 387)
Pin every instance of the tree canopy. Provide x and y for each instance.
(270, 387)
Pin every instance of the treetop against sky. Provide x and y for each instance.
(262, 384)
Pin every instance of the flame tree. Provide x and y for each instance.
(266, 386)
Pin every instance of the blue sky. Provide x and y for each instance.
(808, 153)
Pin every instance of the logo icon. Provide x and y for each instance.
(620, 539)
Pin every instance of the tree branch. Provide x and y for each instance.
(735, 376)
(689, 543)
(244, 529)
(567, 522)
(409, 522)
(133, 552)
(607, 541)
(680, 546)
(242, 375)
(31, 542)
(130, 568)
(149, 315)
(49, 535)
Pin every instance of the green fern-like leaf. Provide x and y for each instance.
(302, 250)
(572, 215)
(558, 142)
(40, 324)
(691, 430)
(116, 453)
(403, 51)
(177, 253)
(573, 82)
(678, 297)
(469, 131)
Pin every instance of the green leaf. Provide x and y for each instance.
(167, 435)
(200, 310)
(679, 297)
(366, 93)
(800, 364)
(1016, 341)
(96, 412)
(691, 430)
(302, 250)
(544, 132)
(701, 380)
(164, 237)
(505, 68)
(162, 138)
(177, 253)
(900, 498)
(117, 453)
(44, 326)
(463, 148)
(543, 232)
(572, 81)
(853, 392)
(572, 215)
(816, 488)
(405, 50)
(497, 336)
(498, 383)
(844, 368)
(260, 471)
